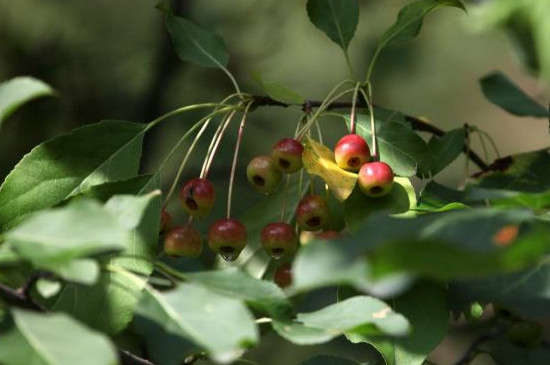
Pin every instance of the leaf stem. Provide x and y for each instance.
(182, 110)
(348, 63)
(371, 64)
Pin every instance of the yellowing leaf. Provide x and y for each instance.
(319, 160)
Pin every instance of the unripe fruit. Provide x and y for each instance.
(375, 179)
(279, 239)
(263, 174)
(283, 275)
(183, 241)
(287, 154)
(227, 237)
(328, 235)
(351, 152)
(165, 221)
(312, 213)
(524, 333)
(198, 197)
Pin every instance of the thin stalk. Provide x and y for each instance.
(226, 123)
(211, 145)
(235, 157)
(323, 106)
(319, 133)
(483, 146)
(491, 141)
(182, 110)
(233, 81)
(371, 65)
(284, 198)
(169, 271)
(204, 122)
(353, 105)
(368, 100)
(348, 63)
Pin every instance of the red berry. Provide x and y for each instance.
(312, 213)
(279, 239)
(328, 235)
(227, 237)
(287, 154)
(351, 152)
(283, 275)
(263, 174)
(165, 221)
(375, 179)
(183, 241)
(197, 197)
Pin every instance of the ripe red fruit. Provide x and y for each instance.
(283, 275)
(312, 213)
(183, 241)
(328, 235)
(351, 152)
(165, 221)
(287, 154)
(227, 237)
(198, 197)
(375, 179)
(263, 174)
(279, 239)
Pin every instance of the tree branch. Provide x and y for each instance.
(472, 351)
(416, 123)
(22, 297)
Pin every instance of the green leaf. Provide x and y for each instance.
(506, 353)
(117, 291)
(527, 172)
(435, 244)
(425, 306)
(441, 151)
(435, 196)
(133, 186)
(259, 294)
(326, 263)
(61, 234)
(338, 19)
(18, 91)
(222, 326)
(65, 165)
(278, 92)
(500, 90)
(253, 259)
(359, 207)
(194, 44)
(357, 315)
(526, 293)
(82, 271)
(328, 360)
(399, 147)
(54, 339)
(410, 18)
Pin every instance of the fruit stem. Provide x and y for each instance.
(182, 110)
(235, 157)
(353, 107)
(284, 198)
(208, 162)
(319, 133)
(368, 100)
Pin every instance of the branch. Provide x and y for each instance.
(472, 351)
(22, 297)
(416, 123)
(127, 358)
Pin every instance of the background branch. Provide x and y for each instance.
(416, 123)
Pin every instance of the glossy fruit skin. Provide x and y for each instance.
(525, 334)
(263, 174)
(279, 239)
(351, 152)
(197, 197)
(375, 179)
(183, 241)
(165, 221)
(287, 155)
(283, 275)
(312, 213)
(227, 236)
(328, 235)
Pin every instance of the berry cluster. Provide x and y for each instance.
(228, 236)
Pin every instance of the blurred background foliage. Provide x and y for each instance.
(113, 60)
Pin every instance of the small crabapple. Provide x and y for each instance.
(351, 152)
(375, 179)
(279, 239)
(263, 174)
(287, 154)
(283, 275)
(183, 241)
(197, 197)
(312, 213)
(227, 237)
